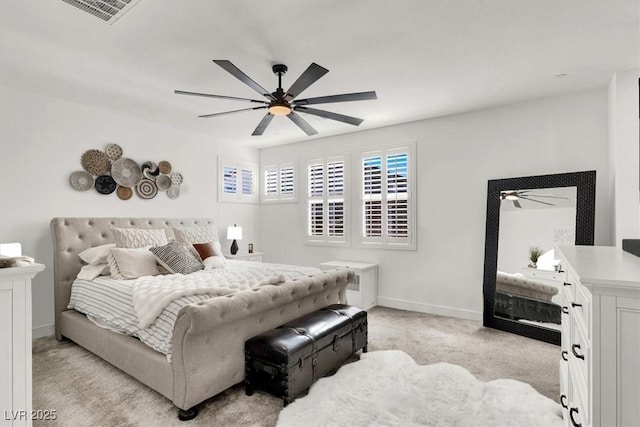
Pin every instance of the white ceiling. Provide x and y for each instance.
(424, 58)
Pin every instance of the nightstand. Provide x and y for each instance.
(363, 292)
(245, 256)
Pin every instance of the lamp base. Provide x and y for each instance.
(234, 247)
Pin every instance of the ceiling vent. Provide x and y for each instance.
(107, 10)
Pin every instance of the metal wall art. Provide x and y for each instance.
(108, 172)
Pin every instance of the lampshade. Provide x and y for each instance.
(234, 233)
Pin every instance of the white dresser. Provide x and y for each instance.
(15, 344)
(245, 256)
(363, 292)
(600, 351)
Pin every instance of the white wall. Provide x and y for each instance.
(456, 156)
(624, 143)
(41, 142)
(522, 228)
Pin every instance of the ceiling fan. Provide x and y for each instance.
(281, 103)
(515, 195)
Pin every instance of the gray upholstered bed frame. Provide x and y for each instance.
(208, 337)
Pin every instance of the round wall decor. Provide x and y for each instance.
(146, 189)
(176, 178)
(165, 167)
(126, 172)
(150, 169)
(105, 184)
(114, 151)
(81, 180)
(163, 182)
(173, 192)
(124, 193)
(96, 162)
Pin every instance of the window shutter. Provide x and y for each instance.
(230, 176)
(316, 219)
(286, 181)
(335, 219)
(397, 195)
(271, 182)
(372, 196)
(247, 181)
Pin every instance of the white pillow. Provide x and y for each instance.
(139, 237)
(214, 262)
(97, 254)
(128, 263)
(90, 272)
(197, 234)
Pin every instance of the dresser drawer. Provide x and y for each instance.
(579, 352)
(582, 309)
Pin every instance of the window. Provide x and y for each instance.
(279, 183)
(388, 215)
(326, 212)
(237, 181)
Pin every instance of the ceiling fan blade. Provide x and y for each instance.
(306, 79)
(537, 201)
(329, 115)
(517, 204)
(302, 124)
(345, 97)
(231, 112)
(207, 95)
(235, 71)
(544, 195)
(263, 124)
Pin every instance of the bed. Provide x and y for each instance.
(522, 298)
(208, 337)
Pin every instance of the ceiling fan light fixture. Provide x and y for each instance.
(511, 197)
(279, 109)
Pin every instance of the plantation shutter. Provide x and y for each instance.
(271, 182)
(372, 196)
(316, 198)
(397, 195)
(335, 198)
(247, 181)
(286, 181)
(230, 177)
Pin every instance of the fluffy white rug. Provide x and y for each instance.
(388, 388)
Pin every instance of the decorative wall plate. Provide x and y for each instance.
(114, 151)
(173, 192)
(124, 193)
(81, 180)
(164, 167)
(150, 170)
(146, 189)
(105, 184)
(163, 182)
(126, 172)
(95, 162)
(176, 178)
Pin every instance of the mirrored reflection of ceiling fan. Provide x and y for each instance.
(515, 195)
(281, 103)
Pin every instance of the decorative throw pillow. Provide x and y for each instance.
(206, 250)
(97, 254)
(90, 272)
(131, 263)
(176, 258)
(139, 237)
(197, 234)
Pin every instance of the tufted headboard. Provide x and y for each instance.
(73, 235)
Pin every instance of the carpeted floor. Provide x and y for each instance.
(84, 390)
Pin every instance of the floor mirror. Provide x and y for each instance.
(526, 218)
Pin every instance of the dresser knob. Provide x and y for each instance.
(575, 353)
(573, 422)
(565, 356)
(563, 401)
(575, 304)
(565, 309)
(566, 284)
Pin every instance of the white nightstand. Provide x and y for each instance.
(363, 292)
(245, 256)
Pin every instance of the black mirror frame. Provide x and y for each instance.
(585, 182)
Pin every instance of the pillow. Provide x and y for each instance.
(128, 263)
(97, 254)
(90, 272)
(198, 234)
(214, 262)
(206, 250)
(176, 258)
(138, 237)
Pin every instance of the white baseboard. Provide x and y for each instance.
(440, 310)
(43, 331)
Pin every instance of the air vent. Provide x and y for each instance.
(107, 10)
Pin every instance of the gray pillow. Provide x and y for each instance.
(176, 258)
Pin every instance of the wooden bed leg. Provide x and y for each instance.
(187, 415)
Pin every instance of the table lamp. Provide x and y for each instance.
(234, 233)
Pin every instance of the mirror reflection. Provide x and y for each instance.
(528, 279)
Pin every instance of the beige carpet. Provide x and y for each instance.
(85, 391)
